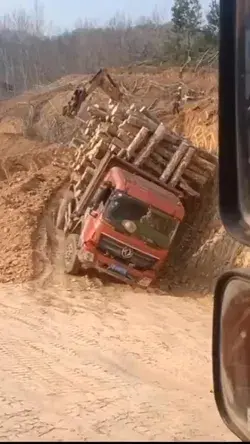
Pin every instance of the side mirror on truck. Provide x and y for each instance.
(231, 351)
(231, 320)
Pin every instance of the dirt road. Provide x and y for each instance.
(89, 363)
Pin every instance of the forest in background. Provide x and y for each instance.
(30, 56)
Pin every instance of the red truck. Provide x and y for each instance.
(127, 225)
(126, 199)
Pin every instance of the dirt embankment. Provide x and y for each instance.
(28, 181)
(29, 176)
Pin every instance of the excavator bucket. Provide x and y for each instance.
(102, 80)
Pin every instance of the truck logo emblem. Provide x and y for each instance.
(127, 253)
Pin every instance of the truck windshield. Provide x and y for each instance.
(151, 225)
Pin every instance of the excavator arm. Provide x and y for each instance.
(102, 80)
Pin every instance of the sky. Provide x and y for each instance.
(65, 13)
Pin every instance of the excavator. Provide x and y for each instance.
(101, 79)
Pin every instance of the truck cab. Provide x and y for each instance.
(127, 229)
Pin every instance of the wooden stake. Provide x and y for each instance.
(152, 143)
(174, 162)
(137, 143)
(182, 167)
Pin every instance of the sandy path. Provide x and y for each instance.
(105, 364)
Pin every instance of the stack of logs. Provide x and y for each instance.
(136, 135)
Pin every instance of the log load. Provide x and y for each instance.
(137, 136)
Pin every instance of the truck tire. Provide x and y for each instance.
(60, 220)
(72, 265)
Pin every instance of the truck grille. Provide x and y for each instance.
(112, 248)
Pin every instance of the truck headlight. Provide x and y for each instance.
(88, 256)
(145, 282)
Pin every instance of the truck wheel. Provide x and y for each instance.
(60, 220)
(72, 264)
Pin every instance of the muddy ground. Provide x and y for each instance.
(87, 358)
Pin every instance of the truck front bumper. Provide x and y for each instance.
(104, 264)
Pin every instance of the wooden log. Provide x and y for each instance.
(121, 153)
(113, 130)
(76, 143)
(100, 136)
(101, 107)
(154, 167)
(144, 110)
(175, 139)
(74, 177)
(204, 163)
(88, 132)
(87, 175)
(198, 165)
(174, 162)
(119, 143)
(80, 135)
(99, 149)
(202, 158)
(125, 137)
(82, 165)
(192, 173)
(92, 123)
(182, 167)
(172, 138)
(119, 111)
(78, 186)
(209, 157)
(80, 168)
(188, 190)
(96, 112)
(100, 131)
(156, 157)
(138, 142)
(163, 153)
(95, 162)
(128, 128)
(77, 194)
(78, 155)
(116, 121)
(140, 120)
(152, 143)
(131, 109)
(111, 105)
(197, 178)
(114, 149)
(108, 128)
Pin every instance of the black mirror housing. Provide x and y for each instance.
(231, 351)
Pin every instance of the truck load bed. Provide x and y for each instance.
(136, 136)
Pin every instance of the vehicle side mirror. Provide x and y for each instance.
(231, 351)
